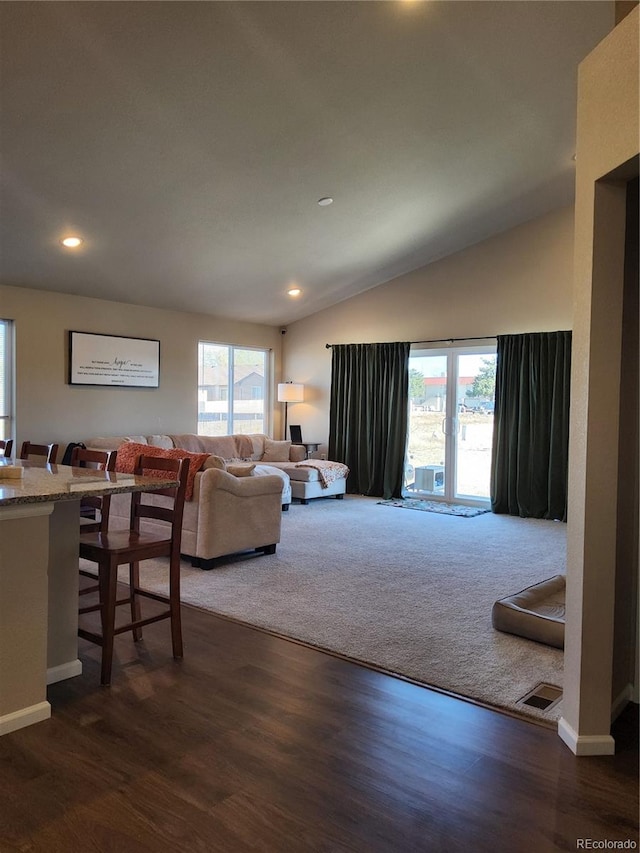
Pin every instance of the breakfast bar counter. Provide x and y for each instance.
(39, 538)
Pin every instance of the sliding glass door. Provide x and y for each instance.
(450, 423)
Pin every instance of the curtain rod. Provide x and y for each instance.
(438, 340)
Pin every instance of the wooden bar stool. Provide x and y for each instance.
(120, 547)
(49, 451)
(92, 504)
(6, 446)
(106, 461)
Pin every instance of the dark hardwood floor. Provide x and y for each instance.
(253, 742)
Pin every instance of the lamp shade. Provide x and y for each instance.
(290, 392)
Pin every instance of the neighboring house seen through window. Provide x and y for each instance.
(232, 383)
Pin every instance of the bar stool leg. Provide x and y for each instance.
(174, 605)
(109, 579)
(134, 583)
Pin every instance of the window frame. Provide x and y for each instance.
(7, 379)
(229, 396)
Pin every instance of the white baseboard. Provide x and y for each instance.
(64, 670)
(621, 701)
(585, 744)
(24, 717)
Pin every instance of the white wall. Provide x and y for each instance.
(518, 281)
(48, 409)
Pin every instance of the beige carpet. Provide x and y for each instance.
(409, 592)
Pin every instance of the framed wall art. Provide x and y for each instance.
(113, 360)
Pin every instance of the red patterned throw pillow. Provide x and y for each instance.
(129, 451)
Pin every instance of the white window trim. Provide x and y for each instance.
(7, 412)
(266, 352)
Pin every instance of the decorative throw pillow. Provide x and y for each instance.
(275, 451)
(241, 469)
(214, 461)
(128, 456)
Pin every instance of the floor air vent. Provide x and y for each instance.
(544, 697)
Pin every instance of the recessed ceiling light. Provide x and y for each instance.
(324, 202)
(294, 291)
(72, 242)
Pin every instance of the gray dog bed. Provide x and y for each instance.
(536, 612)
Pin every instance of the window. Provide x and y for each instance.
(6, 379)
(232, 384)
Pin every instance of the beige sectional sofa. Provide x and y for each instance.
(231, 513)
(307, 476)
(228, 514)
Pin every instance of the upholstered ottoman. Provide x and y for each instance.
(306, 484)
(536, 612)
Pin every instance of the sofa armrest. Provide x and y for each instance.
(216, 479)
(236, 513)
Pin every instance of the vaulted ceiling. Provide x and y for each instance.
(188, 143)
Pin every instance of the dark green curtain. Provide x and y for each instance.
(368, 415)
(531, 425)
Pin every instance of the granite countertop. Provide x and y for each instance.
(42, 482)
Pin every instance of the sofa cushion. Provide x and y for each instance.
(328, 477)
(297, 453)
(128, 453)
(113, 442)
(219, 445)
(275, 451)
(303, 475)
(257, 441)
(238, 448)
(164, 441)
